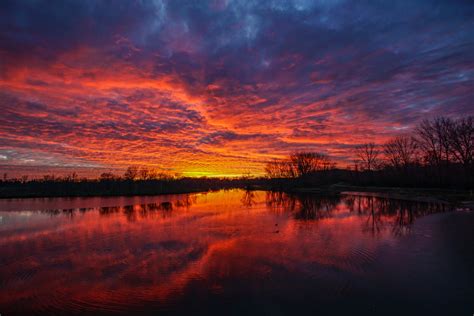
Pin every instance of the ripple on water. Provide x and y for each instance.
(359, 259)
(19, 271)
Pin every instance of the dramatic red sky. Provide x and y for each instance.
(220, 87)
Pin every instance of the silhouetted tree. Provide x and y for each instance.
(433, 139)
(306, 163)
(280, 169)
(48, 177)
(400, 152)
(72, 177)
(368, 155)
(461, 140)
(107, 176)
(299, 164)
(131, 173)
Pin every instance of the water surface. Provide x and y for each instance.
(234, 252)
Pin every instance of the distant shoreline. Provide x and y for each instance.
(101, 195)
(91, 188)
(462, 199)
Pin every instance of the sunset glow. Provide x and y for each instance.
(218, 88)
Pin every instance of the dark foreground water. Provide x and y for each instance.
(235, 253)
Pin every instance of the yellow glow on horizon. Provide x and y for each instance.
(210, 174)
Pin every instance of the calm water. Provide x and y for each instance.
(234, 252)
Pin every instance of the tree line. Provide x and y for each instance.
(438, 142)
(439, 152)
(132, 173)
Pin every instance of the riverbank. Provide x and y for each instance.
(90, 188)
(461, 199)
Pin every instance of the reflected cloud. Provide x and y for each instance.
(160, 251)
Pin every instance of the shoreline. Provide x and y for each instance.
(171, 192)
(461, 199)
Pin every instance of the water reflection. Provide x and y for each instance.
(383, 212)
(244, 250)
(131, 212)
(248, 198)
(303, 206)
(380, 212)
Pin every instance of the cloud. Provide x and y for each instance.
(221, 87)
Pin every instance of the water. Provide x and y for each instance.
(234, 252)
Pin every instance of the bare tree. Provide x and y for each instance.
(144, 173)
(131, 173)
(271, 169)
(400, 151)
(368, 155)
(299, 164)
(280, 169)
(433, 138)
(305, 163)
(461, 140)
(72, 177)
(443, 127)
(107, 176)
(49, 177)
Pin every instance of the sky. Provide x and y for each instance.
(218, 88)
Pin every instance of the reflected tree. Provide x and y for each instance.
(248, 198)
(302, 206)
(382, 213)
